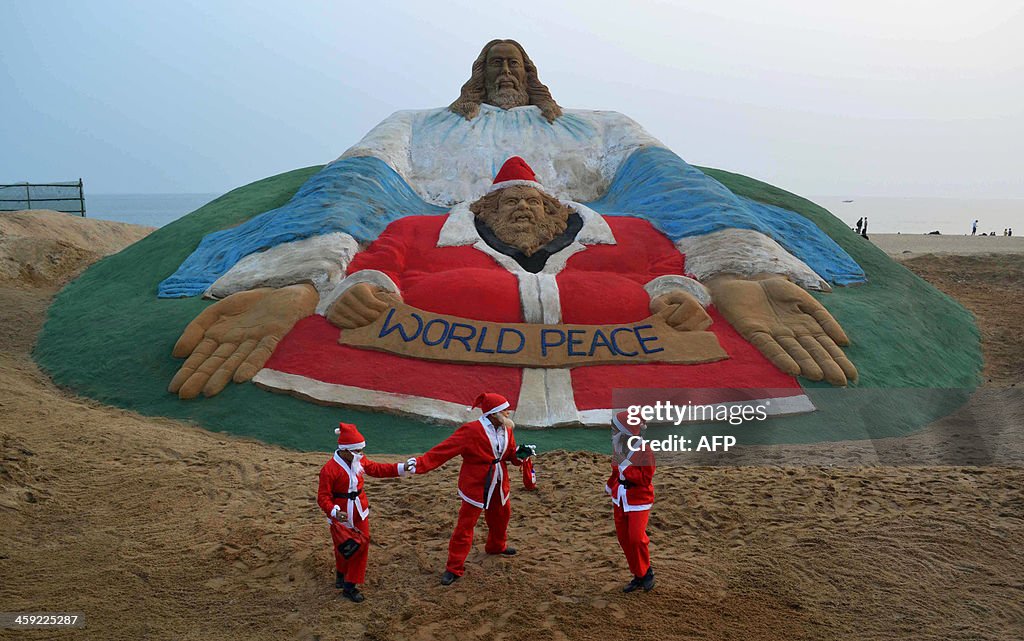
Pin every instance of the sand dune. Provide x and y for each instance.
(41, 247)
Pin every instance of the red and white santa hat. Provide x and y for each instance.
(514, 172)
(621, 421)
(489, 403)
(349, 437)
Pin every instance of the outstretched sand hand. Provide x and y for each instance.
(360, 305)
(681, 310)
(234, 337)
(788, 326)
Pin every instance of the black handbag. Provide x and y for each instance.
(348, 548)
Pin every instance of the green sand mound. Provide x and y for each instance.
(109, 337)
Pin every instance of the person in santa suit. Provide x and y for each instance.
(486, 446)
(341, 496)
(632, 490)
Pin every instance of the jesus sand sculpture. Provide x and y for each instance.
(418, 219)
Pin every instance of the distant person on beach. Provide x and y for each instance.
(1010, 231)
(860, 224)
(864, 228)
(974, 228)
(632, 490)
(340, 495)
(486, 445)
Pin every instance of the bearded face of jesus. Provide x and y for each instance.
(505, 77)
(522, 216)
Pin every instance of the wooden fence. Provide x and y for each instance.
(67, 197)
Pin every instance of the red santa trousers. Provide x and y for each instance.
(631, 529)
(496, 515)
(354, 567)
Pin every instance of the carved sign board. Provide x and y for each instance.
(408, 331)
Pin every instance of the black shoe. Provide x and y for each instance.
(352, 593)
(509, 551)
(632, 585)
(647, 582)
(339, 580)
(448, 578)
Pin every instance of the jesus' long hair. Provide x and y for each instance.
(475, 91)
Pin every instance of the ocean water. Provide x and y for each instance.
(154, 210)
(950, 216)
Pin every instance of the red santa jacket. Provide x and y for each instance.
(631, 483)
(339, 482)
(596, 280)
(484, 460)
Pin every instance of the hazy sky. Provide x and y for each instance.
(889, 98)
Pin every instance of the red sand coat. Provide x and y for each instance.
(479, 451)
(338, 478)
(599, 284)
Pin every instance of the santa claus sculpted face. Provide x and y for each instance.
(522, 216)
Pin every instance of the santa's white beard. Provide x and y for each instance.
(530, 240)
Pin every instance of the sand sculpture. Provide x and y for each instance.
(479, 261)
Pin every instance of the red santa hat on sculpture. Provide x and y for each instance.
(514, 172)
(622, 422)
(349, 437)
(490, 403)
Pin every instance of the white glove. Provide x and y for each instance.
(533, 449)
(410, 466)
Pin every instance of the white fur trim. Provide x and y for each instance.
(745, 252)
(622, 428)
(498, 446)
(444, 412)
(371, 276)
(503, 406)
(352, 446)
(516, 183)
(470, 501)
(319, 260)
(595, 229)
(459, 229)
(626, 507)
(665, 284)
(449, 413)
(546, 398)
(401, 469)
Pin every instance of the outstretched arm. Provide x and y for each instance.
(382, 470)
(786, 324)
(234, 337)
(442, 452)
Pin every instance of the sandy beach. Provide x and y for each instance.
(902, 246)
(154, 528)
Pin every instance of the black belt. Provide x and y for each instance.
(348, 495)
(626, 484)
